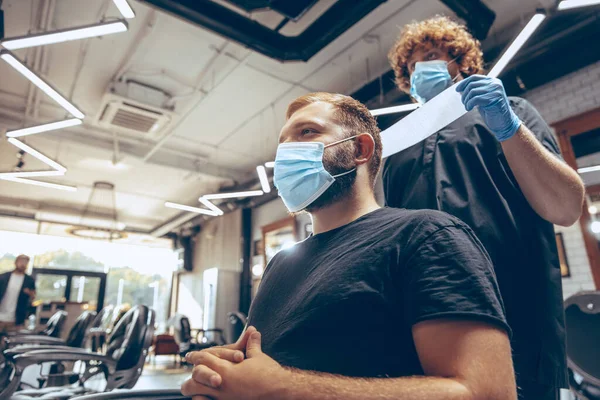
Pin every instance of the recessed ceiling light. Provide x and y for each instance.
(37, 154)
(41, 183)
(190, 209)
(64, 35)
(264, 179)
(124, 8)
(32, 130)
(40, 83)
(395, 109)
(569, 4)
(232, 195)
(516, 45)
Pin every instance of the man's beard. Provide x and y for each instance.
(337, 160)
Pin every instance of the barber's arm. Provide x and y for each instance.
(552, 188)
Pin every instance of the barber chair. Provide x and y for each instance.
(238, 321)
(120, 367)
(582, 320)
(186, 342)
(100, 328)
(53, 327)
(171, 394)
(76, 337)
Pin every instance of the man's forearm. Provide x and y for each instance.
(304, 385)
(550, 186)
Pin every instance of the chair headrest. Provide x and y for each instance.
(103, 318)
(55, 324)
(582, 320)
(128, 339)
(77, 333)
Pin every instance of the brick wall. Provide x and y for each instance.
(565, 97)
(569, 95)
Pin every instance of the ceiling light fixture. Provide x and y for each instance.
(270, 164)
(40, 183)
(264, 179)
(593, 168)
(516, 45)
(37, 154)
(569, 4)
(32, 130)
(65, 35)
(124, 8)
(250, 193)
(30, 174)
(190, 209)
(40, 83)
(395, 109)
(70, 219)
(211, 206)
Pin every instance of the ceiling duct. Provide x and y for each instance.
(222, 20)
(478, 17)
(293, 10)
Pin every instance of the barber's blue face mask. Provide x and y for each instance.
(429, 79)
(300, 176)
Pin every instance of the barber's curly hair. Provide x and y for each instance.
(441, 32)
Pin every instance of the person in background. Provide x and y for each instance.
(17, 291)
(498, 168)
(379, 303)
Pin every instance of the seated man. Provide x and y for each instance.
(379, 302)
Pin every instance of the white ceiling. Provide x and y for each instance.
(229, 102)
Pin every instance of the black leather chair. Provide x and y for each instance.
(53, 327)
(238, 322)
(101, 327)
(204, 339)
(582, 320)
(172, 394)
(121, 366)
(76, 338)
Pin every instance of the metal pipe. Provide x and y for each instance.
(313, 72)
(45, 50)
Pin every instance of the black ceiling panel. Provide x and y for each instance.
(331, 24)
(290, 9)
(478, 17)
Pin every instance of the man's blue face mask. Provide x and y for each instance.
(300, 176)
(429, 79)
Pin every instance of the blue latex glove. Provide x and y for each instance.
(488, 94)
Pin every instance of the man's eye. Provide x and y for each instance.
(432, 56)
(307, 131)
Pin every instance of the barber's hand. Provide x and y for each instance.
(257, 377)
(29, 292)
(233, 353)
(488, 94)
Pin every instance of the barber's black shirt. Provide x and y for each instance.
(344, 301)
(462, 170)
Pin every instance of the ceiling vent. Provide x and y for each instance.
(122, 111)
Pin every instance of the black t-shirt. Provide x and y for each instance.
(462, 170)
(344, 301)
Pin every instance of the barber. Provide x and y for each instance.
(498, 168)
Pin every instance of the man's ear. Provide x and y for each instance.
(365, 147)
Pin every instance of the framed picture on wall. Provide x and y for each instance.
(258, 247)
(562, 256)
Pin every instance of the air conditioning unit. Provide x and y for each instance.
(125, 114)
